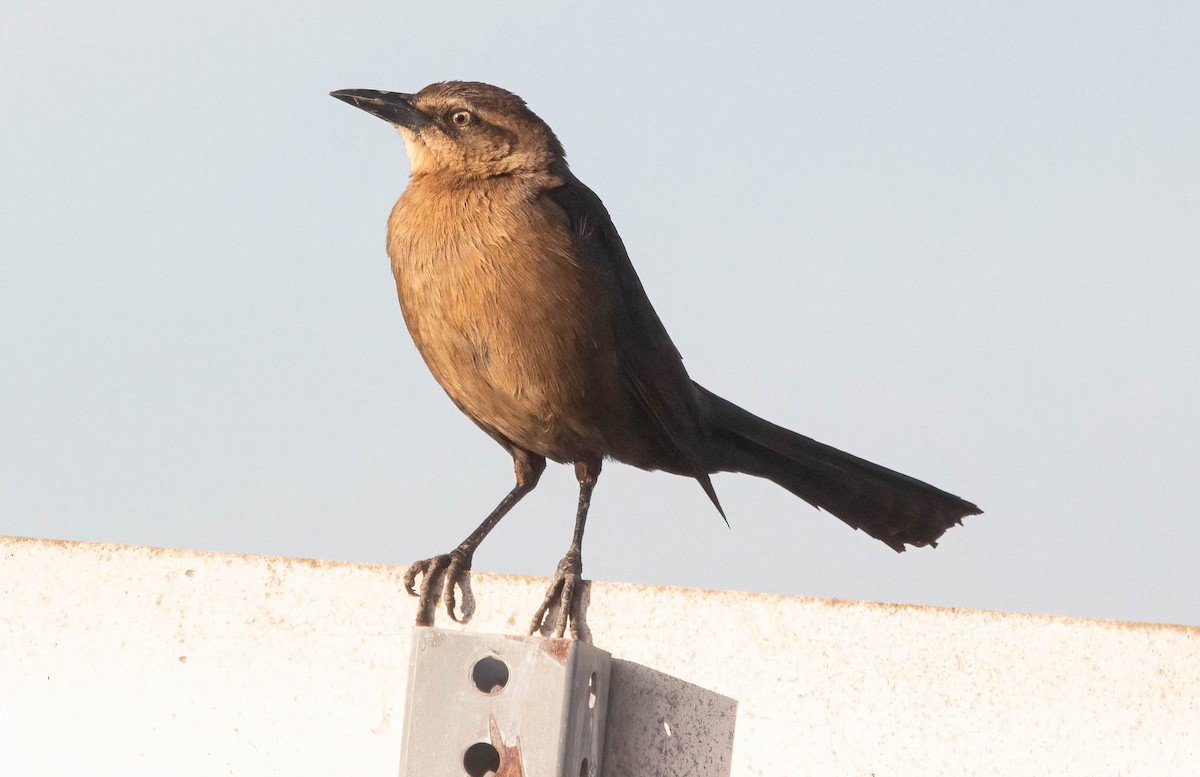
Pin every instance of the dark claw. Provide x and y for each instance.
(458, 574)
(414, 569)
(566, 589)
(455, 569)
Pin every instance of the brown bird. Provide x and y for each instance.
(520, 296)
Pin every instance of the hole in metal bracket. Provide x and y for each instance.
(584, 771)
(480, 759)
(490, 675)
(592, 691)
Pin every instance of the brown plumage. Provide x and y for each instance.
(520, 296)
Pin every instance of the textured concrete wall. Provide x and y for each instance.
(137, 661)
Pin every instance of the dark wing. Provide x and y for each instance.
(650, 364)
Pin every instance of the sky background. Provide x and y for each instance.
(960, 240)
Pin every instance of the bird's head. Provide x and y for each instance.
(465, 129)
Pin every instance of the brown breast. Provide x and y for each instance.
(508, 320)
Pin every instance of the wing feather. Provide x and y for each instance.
(651, 367)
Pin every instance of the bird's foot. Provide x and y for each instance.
(453, 567)
(567, 590)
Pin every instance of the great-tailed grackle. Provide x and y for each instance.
(518, 292)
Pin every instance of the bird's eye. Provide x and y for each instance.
(461, 118)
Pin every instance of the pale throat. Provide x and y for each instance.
(419, 157)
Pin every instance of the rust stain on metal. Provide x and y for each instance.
(510, 756)
(558, 649)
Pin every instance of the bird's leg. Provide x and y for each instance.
(567, 585)
(455, 567)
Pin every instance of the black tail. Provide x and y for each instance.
(890, 507)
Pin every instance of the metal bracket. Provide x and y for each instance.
(490, 704)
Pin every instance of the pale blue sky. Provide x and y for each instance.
(958, 239)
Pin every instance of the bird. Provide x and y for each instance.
(522, 300)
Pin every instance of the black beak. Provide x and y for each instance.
(394, 107)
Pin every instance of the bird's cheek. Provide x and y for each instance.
(497, 151)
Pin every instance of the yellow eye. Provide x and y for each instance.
(461, 118)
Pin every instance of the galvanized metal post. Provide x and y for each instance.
(483, 704)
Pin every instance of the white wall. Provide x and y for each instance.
(141, 661)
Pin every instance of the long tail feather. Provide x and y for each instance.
(887, 505)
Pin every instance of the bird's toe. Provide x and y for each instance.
(454, 568)
(565, 591)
